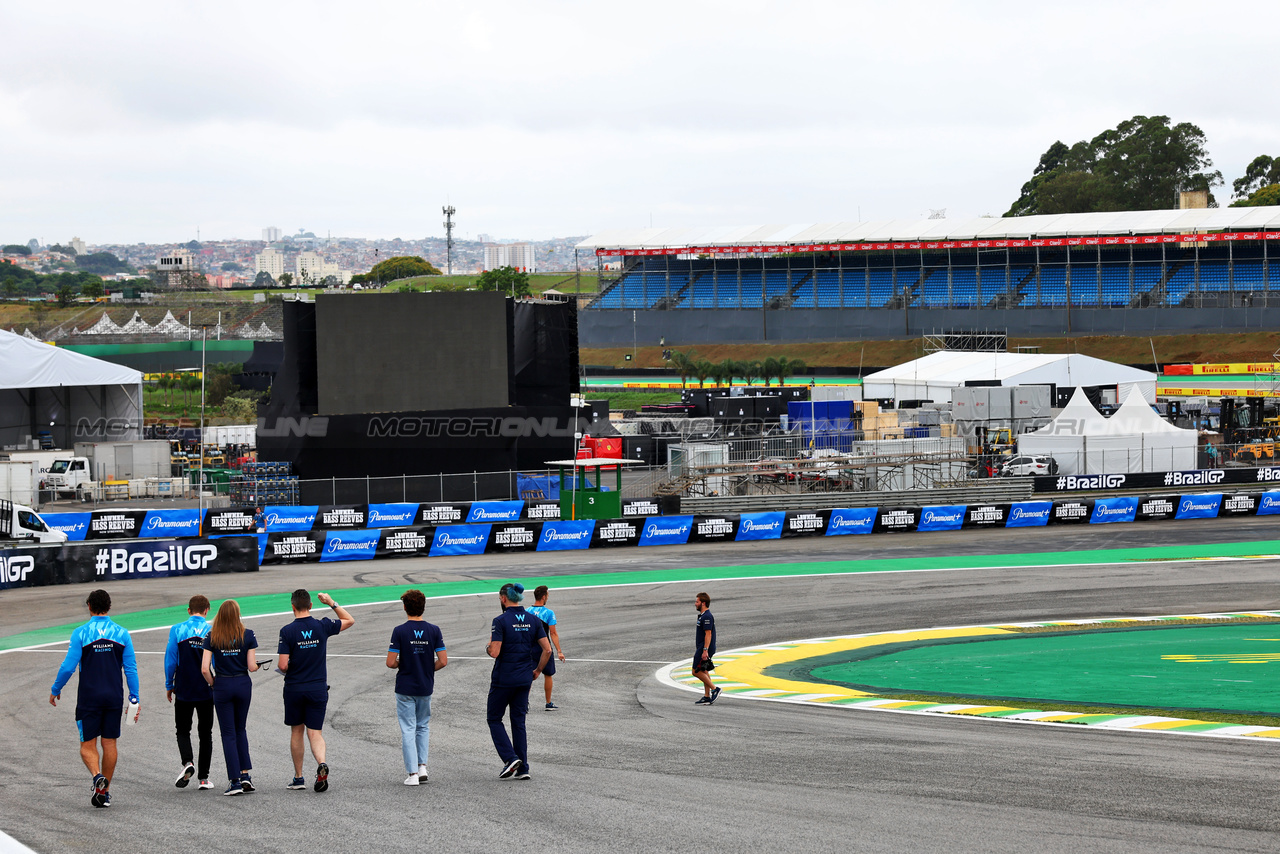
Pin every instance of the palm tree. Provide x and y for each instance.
(751, 371)
(770, 368)
(787, 367)
(724, 372)
(703, 369)
(683, 365)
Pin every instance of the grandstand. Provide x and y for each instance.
(1173, 270)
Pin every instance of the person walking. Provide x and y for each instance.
(417, 651)
(102, 650)
(185, 688)
(540, 610)
(704, 646)
(226, 666)
(302, 653)
(519, 648)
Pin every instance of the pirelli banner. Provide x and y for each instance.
(84, 563)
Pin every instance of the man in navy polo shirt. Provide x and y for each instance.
(519, 647)
(704, 647)
(417, 651)
(302, 651)
(184, 686)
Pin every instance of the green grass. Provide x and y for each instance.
(633, 399)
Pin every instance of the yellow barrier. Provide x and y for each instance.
(1236, 368)
(1195, 391)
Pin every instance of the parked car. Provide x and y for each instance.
(1023, 465)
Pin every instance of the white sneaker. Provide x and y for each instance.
(205, 784)
(422, 774)
(411, 780)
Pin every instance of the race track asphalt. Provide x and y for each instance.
(628, 764)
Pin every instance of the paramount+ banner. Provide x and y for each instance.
(84, 562)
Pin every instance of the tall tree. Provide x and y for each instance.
(1141, 164)
(506, 280)
(1262, 172)
(1267, 196)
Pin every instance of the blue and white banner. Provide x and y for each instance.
(286, 518)
(494, 511)
(947, 517)
(566, 535)
(1029, 514)
(74, 525)
(761, 526)
(460, 540)
(852, 520)
(666, 530)
(171, 523)
(350, 545)
(1269, 504)
(1121, 509)
(1204, 505)
(392, 515)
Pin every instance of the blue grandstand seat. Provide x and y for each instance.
(751, 297)
(827, 286)
(804, 295)
(1145, 277)
(1084, 285)
(702, 293)
(777, 284)
(964, 287)
(1053, 287)
(1214, 277)
(1115, 285)
(933, 291)
(880, 286)
(1248, 276)
(1180, 283)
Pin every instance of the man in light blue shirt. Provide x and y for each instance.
(101, 649)
(540, 610)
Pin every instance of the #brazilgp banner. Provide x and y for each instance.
(80, 563)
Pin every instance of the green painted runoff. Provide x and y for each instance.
(251, 606)
(1233, 667)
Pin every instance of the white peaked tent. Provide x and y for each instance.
(933, 377)
(75, 397)
(1134, 439)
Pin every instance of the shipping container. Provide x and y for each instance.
(19, 482)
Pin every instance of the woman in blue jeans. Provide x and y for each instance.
(226, 667)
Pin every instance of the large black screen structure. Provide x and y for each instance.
(407, 352)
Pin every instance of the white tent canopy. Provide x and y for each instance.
(932, 377)
(1134, 439)
(72, 396)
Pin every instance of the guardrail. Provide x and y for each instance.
(1003, 490)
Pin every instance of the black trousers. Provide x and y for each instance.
(203, 711)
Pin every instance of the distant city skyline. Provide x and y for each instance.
(539, 120)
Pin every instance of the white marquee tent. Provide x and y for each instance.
(932, 377)
(1134, 439)
(72, 396)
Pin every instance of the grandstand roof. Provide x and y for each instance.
(767, 238)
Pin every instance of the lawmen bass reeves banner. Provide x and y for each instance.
(82, 563)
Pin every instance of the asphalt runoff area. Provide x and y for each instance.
(629, 764)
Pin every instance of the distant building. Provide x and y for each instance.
(177, 268)
(271, 261)
(485, 238)
(271, 234)
(78, 245)
(522, 256)
(313, 269)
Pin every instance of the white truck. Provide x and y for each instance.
(101, 461)
(21, 525)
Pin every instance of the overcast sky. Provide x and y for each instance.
(141, 121)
